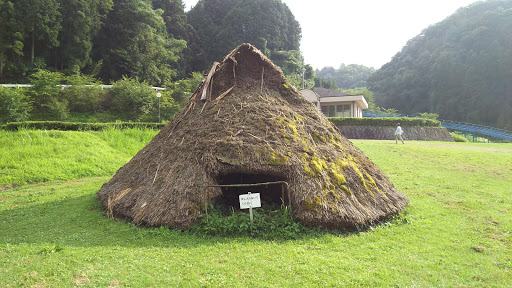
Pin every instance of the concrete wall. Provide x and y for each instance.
(388, 133)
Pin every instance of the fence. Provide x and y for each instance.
(65, 86)
(459, 126)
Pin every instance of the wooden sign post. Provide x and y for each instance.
(249, 201)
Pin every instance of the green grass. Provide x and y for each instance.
(34, 156)
(457, 233)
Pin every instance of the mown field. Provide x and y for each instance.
(456, 232)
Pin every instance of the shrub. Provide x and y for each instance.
(82, 98)
(458, 138)
(181, 90)
(46, 94)
(14, 105)
(74, 126)
(270, 222)
(429, 115)
(168, 107)
(131, 99)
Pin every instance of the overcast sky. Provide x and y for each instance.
(367, 32)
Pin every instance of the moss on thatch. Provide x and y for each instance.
(245, 119)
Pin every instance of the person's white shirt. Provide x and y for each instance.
(398, 130)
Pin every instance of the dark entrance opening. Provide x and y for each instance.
(276, 194)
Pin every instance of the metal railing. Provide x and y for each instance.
(455, 125)
(478, 129)
(66, 86)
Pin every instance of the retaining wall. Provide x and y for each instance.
(388, 133)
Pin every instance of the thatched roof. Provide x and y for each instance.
(250, 126)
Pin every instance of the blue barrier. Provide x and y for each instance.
(460, 126)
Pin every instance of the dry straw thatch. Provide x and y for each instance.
(246, 124)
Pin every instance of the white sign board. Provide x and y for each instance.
(251, 200)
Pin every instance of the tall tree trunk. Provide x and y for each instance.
(33, 48)
(1, 69)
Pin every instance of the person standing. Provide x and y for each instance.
(398, 134)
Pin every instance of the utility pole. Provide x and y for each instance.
(158, 95)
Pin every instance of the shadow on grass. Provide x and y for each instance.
(83, 222)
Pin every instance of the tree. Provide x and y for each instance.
(134, 43)
(46, 94)
(174, 17)
(10, 38)
(325, 83)
(14, 105)
(177, 27)
(224, 24)
(347, 76)
(82, 97)
(181, 90)
(81, 21)
(458, 68)
(39, 22)
(289, 61)
(368, 95)
(131, 99)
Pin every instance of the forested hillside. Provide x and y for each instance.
(151, 40)
(347, 76)
(459, 68)
(222, 25)
(108, 39)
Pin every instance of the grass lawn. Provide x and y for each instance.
(35, 156)
(54, 233)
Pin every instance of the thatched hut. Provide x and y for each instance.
(247, 124)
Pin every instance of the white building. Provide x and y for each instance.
(336, 104)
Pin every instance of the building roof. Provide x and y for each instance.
(323, 92)
(309, 95)
(326, 96)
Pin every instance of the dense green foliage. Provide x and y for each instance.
(77, 126)
(46, 94)
(458, 68)
(80, 97)
(54, 96)
(368, 95)
(271, 221)
(153, 41)
(388, 121)
(131, 99)
(347, 76)
(177, 27)
(47, 33)
(134, 42)
(142, 39)
(81, 126)
(181, 90)
(458, 138)
(221, 25)
(324, 83)
(454, 233)
(14, 105)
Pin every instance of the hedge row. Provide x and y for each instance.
(338, 121)
(76, 126)
(388, 121)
